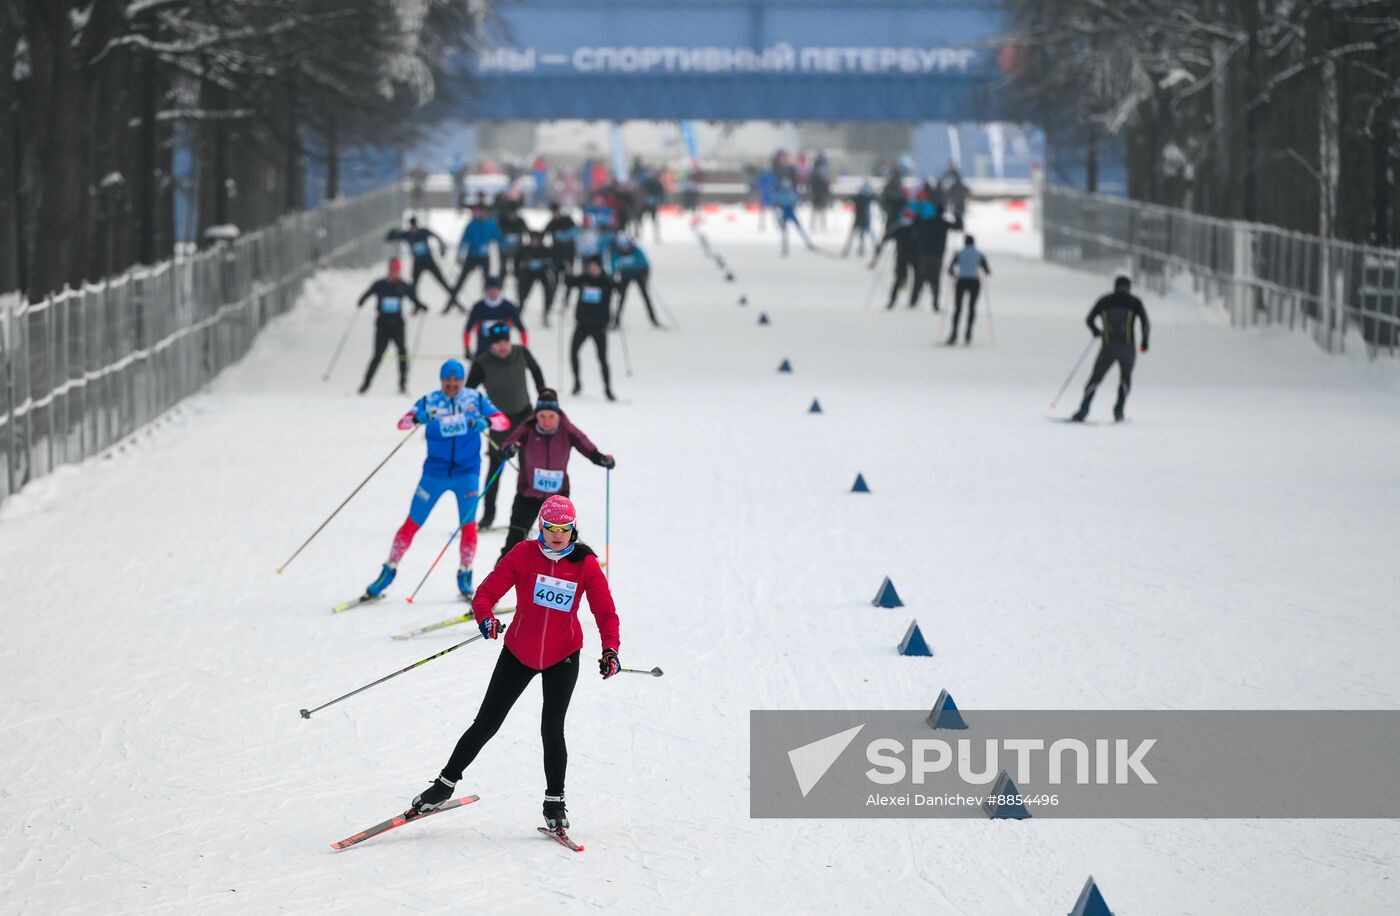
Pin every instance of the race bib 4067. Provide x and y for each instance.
(555, 594)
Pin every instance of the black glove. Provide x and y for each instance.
(604, 461)
(608, 665)
(508, 452)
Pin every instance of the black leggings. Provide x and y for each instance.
(927, 270)
(1122, 354)
(523, 513)
(970, 288)
(626, 279)
(901, 273)
(386, 332)
(429, 266)
(495, 461)
(600, 340)
(472, 264)
(508, 681)
(525, 281)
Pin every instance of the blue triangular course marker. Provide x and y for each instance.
(945, 713)
(762, 317)
(860, 486)
(743, 300)
(913, 642)
(887, 596)
(785, 366)
(1091, 902)
(1006, 810)
(816, 406)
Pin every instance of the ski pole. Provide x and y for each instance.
(655, 672)
(381, 464)
(670, 316)
(943, 313)
(991, 325)
(306, 713)
(876, 273)
(563, 310)
(340, 346)
(607, 524)
(471, 516)
(449, 622)
(1069, 378)
(418, 335)
(626, 359)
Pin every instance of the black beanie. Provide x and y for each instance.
(548, 400)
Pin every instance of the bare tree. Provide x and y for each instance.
(1285, 111)
(101, 93)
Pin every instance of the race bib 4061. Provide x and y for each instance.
(452, 424)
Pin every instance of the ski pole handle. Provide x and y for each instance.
(655, 672)
(306, 713)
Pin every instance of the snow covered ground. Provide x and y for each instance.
(1231, 547)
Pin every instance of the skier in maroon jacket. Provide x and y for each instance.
(550, 577)
(544, 442)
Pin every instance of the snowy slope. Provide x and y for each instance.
(1232, 547)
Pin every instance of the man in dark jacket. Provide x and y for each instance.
(390, 294)
(592, 314)
(501, 367)
(930, 241)
(419, 240)
(901, 235)
(1117, 314)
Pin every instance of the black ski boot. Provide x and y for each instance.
(554, 817)
(433, 797)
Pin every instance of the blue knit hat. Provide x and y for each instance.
(452, 369)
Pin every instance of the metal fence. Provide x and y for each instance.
(1341, 294)
(85, 368)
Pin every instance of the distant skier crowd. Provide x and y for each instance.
(590, 261)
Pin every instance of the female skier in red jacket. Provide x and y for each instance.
(550, 576)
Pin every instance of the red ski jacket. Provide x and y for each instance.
(545, 628)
